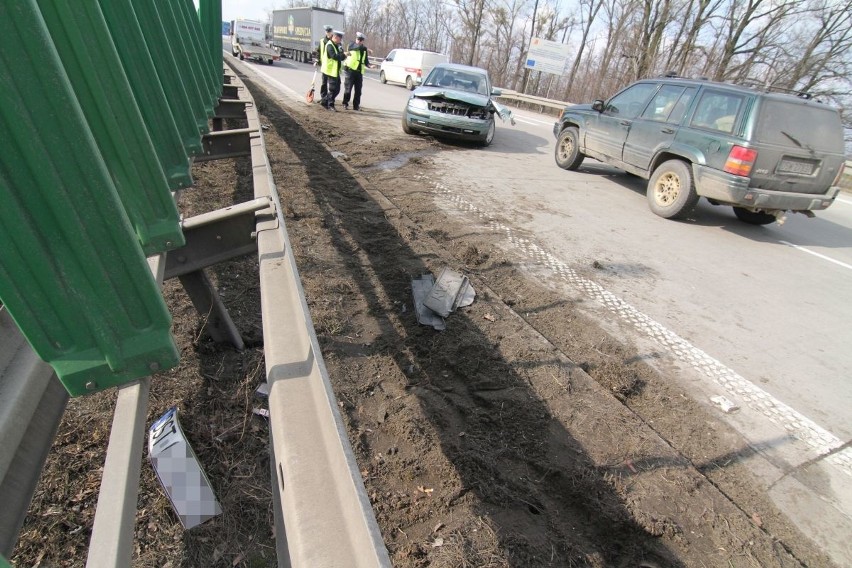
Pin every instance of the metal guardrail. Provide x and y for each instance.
(846, 178)
(165, 105)
(548, 106)
(320, 496)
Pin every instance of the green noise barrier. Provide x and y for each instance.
(72, 272)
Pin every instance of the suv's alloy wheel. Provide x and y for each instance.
(671, 190)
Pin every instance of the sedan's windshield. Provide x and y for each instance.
(458, 81)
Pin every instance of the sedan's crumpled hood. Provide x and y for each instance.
(465, 97)
(451, 94)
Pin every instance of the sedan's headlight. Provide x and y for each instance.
(415, 102)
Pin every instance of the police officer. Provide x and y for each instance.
(321, 59)
(334, 56)
(354, 71)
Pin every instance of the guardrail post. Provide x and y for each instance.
(72, 273)
(88, 55)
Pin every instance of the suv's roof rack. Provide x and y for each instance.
(760, 86)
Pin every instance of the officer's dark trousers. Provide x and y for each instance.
(353, 79)
(323, 86)
(333, 91)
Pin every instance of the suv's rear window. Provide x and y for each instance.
(780, 122)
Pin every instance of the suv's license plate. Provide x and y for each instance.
(796, 167)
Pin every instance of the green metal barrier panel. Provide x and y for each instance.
(172, 150)
(187, 64)
(210, 16)
(186, 28)
(186, 108)
(212, 83)
(72, 273)
(85, 47)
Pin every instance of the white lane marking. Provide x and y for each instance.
(822, 256)
(796, 424)
(532, 121)
(841, 200)
(287, 90)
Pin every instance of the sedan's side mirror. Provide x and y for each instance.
(598, 105)
(495, 92)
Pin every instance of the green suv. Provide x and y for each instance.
(762, 153)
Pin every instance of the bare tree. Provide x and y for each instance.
(745, 29)
(616, 14)
(696, 17)
(408, 22)
(825, 58)
(588, 12)
(505, 17)
(472, 15)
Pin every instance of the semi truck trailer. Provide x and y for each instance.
(296, 32)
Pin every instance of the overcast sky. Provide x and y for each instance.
(246, 9)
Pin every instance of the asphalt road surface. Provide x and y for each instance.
(760, 315)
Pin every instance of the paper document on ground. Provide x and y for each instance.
(180, 472)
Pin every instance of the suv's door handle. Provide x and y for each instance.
(667, 130)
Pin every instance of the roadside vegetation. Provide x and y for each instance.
(797, 45)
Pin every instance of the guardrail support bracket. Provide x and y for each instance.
(221, 144)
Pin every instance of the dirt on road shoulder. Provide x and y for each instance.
(522, 435)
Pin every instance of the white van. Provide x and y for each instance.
(409, 66)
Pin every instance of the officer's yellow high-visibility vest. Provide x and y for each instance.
(323, 42)
(331, 67)
(356, 60)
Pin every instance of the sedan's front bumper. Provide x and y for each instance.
(441, 124)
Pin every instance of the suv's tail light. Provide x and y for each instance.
(740, 161)
(839, 175)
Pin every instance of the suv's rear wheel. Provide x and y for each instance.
(671, 190)
(567, 153)
(753, 217)
(382, 77)
(409, 83)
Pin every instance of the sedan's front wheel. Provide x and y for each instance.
(671, 190)
(489, 135)
(406, 127)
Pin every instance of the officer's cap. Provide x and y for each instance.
(359, 35)
(338, 33)
(327, 28)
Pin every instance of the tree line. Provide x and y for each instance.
(796, 45)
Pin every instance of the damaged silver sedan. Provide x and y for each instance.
(455, 101)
